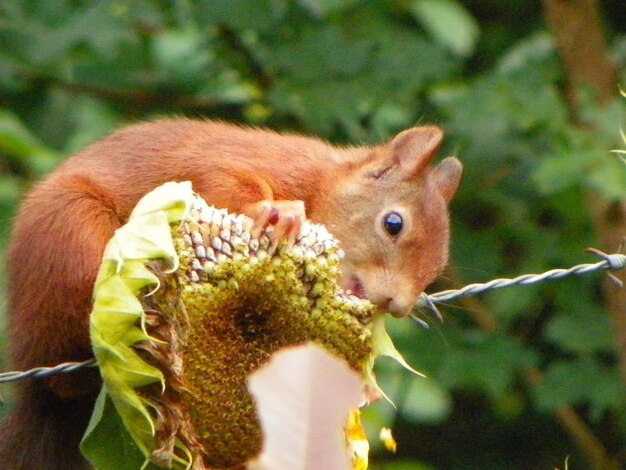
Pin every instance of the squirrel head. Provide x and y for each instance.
(390, 213)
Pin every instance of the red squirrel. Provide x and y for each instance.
(385, 204)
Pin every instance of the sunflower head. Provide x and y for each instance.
(188, 303)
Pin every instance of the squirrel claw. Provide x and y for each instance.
(285, 218)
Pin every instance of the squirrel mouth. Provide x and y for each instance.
(355, 287)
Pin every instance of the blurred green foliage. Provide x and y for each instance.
(359, 71)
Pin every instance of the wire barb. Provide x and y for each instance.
(613, 262)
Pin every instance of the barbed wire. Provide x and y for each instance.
(426, 303)
(42, 372)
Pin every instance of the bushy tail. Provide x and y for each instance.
(43, 432)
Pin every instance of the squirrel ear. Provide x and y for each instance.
(447, 176)
(413, 149)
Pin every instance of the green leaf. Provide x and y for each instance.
(18, 143)
(106, 443)
(534, 57)
(181, 54)
(557, 173)
(491, 363)
(10, 189)
(321, 106)
(318, 53)
(426, 401)
(244, 15)
(93, 120)
(115, 322)
(324, 8)
(449, 23)
(581, 332)
(388, 119)
(609, 179)
(579, 382)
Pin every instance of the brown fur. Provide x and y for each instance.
(65, 222)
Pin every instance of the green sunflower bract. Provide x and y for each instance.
(188, 302)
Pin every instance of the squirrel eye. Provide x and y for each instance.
(393, 223)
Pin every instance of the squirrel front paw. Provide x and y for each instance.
(285, 218)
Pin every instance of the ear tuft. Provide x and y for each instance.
(447, 176)
(414, 148)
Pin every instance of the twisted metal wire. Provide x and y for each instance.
(426, 303)
(41, 372)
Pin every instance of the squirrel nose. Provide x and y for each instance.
(390, 304)
(383, 302)
(397, 309)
